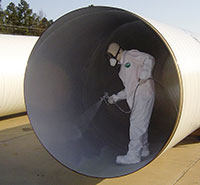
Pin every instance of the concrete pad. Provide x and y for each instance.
(14, 122)
(24, 161)
(192, 176)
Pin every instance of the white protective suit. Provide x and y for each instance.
(141, 66)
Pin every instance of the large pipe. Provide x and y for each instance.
(15, 51)
(67, 73)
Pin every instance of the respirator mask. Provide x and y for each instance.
(113, 59)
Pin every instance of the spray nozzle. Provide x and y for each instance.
(105, 98)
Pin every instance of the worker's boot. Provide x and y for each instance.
(129, 158)
(145, 151)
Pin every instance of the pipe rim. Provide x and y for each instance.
(180, 80)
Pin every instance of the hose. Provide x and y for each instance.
(128, 112)
(121, 109)
(105, 98)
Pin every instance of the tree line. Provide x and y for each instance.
(21, 20)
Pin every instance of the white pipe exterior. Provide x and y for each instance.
(185, 47)
(15, 51)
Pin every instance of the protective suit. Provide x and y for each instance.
(136, 67)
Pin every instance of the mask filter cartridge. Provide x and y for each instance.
(113, 62)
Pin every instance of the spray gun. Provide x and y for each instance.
(105, 98)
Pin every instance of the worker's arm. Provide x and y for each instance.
(117, 97)
(147, 68)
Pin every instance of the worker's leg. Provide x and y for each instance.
(145, 149)
(139, 122)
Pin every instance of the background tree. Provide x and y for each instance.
(1, 18)
(21, 20)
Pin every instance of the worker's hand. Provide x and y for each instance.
(111, 100)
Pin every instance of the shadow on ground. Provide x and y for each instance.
(191, 139)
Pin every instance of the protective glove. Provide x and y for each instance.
(111, 100)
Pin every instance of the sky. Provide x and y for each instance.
(180, 13)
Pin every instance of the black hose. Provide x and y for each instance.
(128, 112)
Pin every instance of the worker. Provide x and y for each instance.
(136, 76)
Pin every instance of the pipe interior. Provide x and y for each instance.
(67, 73)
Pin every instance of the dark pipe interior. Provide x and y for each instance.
(66, 75)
